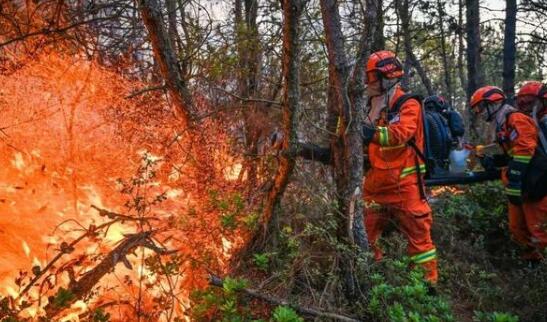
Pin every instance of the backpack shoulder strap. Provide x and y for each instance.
(403, 99)
(509, 114)
(412, 142)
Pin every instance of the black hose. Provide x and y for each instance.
(467, 178)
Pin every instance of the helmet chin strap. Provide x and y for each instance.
(492, 114)
(388, 85)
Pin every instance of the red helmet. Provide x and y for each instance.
(533, 88)
(529, 93)
(383, 63)
(487, 94)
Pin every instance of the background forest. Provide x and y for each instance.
(151, 170)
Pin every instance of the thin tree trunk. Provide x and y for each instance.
(375, 25)
(174, 36)
(509, 49)
(475, 78)
(446, 67)
(461, 48)
(347, 145)
(166, 59)
(405, 25)
(292, 9)
(247, 40)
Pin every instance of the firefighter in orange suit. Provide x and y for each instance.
(517, 133)
(393, 187)
(530, 219)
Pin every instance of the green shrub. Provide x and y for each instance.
(494, 317)
(406, 297)
(262, 261)
(285, 314)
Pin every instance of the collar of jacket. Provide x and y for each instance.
(501, 116)
(393, 94)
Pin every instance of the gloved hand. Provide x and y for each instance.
(368, 133)
(494, 161)
(479, 151)
(500, 160)
(487, 162)
(515, 174)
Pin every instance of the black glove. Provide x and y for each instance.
(515, 174)
(493, 162)
(500, 160)
(368, 133)
(487, 162)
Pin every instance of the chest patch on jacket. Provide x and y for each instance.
(395, 119)
(513, 135)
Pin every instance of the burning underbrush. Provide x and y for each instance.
(106, 207)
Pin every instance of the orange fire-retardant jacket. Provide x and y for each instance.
(392, 178)
(518, 138)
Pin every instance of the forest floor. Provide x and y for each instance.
(481, 275)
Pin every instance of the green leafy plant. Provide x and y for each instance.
(494, 317)
(406, 297)
(63, 297)
(262, 261)
(222, 304)
(285, 314)
(99, 315)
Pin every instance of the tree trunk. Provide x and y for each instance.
(292, 9)
(475, 78)
(407, 39)
(446, 67)
(166, 59)
(248, 42)
(174, 36)
(346, 145)
(509, 49)
(375, 26)
(461, 49)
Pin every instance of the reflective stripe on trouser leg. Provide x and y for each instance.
(428, 261)
(424, 257)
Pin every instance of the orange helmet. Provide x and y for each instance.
(487, 94)
(533, 88)
(528, 95)
(383, 63)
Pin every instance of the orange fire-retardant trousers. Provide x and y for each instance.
(416, 229)
(528, 227)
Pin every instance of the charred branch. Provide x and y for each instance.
(80, 288)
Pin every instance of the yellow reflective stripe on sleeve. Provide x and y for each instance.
(412, 169)
(522, 158)
(513, 192)
(384, 136)
(424, 257)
